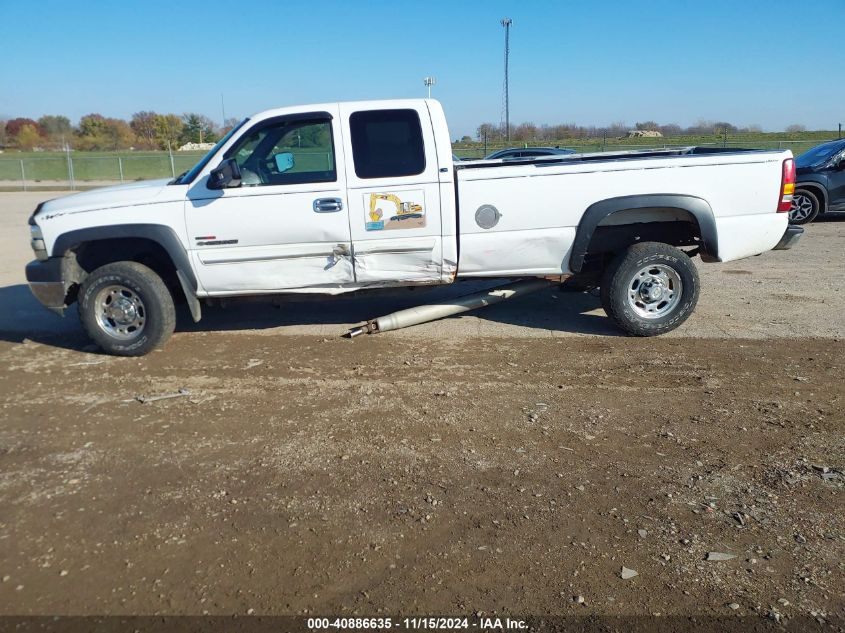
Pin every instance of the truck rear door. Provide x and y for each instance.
(393, 189)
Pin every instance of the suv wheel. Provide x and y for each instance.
(649, 289)
(805, 207)
(126, 309)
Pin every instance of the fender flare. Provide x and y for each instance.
(596, 212)
(162, 235)
(817, 185)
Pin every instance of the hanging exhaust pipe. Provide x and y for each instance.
(434, 311)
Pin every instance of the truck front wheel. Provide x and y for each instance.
(126, 309)
(649, 289)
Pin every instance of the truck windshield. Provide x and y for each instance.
(188, 176)
(818, 155)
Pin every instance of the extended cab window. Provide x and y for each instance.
(285, 152)
(387, 143)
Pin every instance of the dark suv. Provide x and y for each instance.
(820, 182)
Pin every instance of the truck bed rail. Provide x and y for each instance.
(636, 154)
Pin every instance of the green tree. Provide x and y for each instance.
(91, 132)
(617, 128)
(313, 136)
(197, 128)
(55, 126)
(488, 131)
(92, 125)
(649, 126)
(119, 134)
(560, 131)
(13, 126)
(670, 129)
(701, 128)
(228, 124)
(168, 130)
(524, 132)
(97, 132)
(28, 137)
(143, 124)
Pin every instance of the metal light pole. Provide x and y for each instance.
(506, 22)
(429, 82)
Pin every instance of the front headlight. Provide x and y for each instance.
(37, 243)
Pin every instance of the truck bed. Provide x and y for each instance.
(537, 203)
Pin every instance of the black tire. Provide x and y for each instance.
(805, 207)
(126, 309)
(669, 271)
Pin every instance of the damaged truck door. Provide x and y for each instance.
(394, 194)
(285, 224)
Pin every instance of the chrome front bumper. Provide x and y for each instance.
(790, 238)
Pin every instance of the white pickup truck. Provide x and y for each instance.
(341, 197)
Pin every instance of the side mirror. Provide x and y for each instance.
(226, 174)
(284, 162)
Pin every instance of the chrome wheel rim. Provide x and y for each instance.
(654, 291)
(120, 312)
(801, 208)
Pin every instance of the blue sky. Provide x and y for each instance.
(589, 62)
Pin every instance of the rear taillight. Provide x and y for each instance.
(787, 186)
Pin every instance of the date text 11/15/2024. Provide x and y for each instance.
(416, 623)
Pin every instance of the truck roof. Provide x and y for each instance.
(372, 104)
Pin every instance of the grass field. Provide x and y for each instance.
(51, 169)
(798, 142)
(118, 166)
(98, 166)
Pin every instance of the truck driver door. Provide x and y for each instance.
(287, 226)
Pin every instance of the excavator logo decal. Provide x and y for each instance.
(387, 211)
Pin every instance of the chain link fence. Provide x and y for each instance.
(76, 170)
(80, 170)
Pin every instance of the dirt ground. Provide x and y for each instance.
(509, 462)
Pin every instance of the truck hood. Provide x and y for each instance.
(135, 193)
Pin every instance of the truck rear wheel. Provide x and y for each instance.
(649, 289)
(126, 309)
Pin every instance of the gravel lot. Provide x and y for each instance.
(509, 461)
